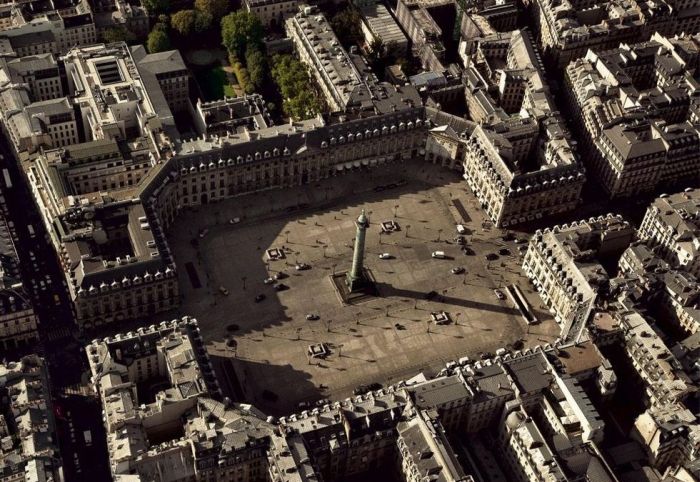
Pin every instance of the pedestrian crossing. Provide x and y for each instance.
(58, 334)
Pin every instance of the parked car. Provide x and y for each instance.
(259, 298)
(385, 256)
(281, 287)
(360, 390)
(223, 290)
(468, 251)
(438, 254)
(302, 266)
(461, 229)
(499, 294)
(504, 252)
(234, 220)
(491, 257)
(460, 240)
(312, 317)
(268, 281)
(457, 270)
(203, 233)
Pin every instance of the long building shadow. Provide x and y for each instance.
(274, 389)
(387, 290)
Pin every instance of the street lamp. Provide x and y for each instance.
(286, 239)
(439, 234)
(243, 278)
(328, 325)
(408, 226)
(396, 207)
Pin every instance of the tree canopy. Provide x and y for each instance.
(154, 7)
(158, 39)
(183, 21)
(299, 100)
(216, 8)
(241, 30)
(257, 67)
(202, 21)
(346, 25)
(118, 34)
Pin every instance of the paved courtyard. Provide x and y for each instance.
(383, 339)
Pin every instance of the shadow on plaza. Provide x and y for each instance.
(274, 389)
(388, 291)
(275, 219)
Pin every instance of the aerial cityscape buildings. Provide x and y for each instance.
(404, 241)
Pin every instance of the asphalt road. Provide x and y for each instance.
(45, 284)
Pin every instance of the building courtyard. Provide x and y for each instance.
(224, 261)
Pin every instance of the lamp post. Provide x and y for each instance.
(408, 226)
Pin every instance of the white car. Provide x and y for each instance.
(385, 256)
(461, 229)
(203, 233)
(234, 220)
(268, 281)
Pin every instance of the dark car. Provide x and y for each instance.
(259, 298)
(468, 251)
(508, 236)
(491, 257)
(504, 252)
(281, 287)
(360, 390)
(460, 240)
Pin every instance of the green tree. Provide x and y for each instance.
(118, 34)
(158, 39)
(346, 25)
(154, 7)
(299, 99)
(202, 21)
(257, 67)
(183, 21)
(241, 30)
(216, 8)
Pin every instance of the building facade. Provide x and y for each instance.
(520, 162)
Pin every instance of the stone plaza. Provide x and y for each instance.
(380, 338)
